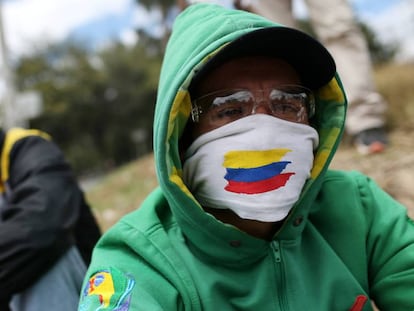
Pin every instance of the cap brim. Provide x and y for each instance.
(311, 59)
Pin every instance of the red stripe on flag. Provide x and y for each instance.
(260, 186)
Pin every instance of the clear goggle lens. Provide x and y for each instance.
(290, 102)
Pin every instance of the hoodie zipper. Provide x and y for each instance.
(279, 275)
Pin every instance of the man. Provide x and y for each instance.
(247, 215)
(47, 230)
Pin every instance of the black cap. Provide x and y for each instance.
(309, 57)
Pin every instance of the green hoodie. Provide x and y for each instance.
(344, 243)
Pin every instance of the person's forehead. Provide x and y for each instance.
(252, 62)
(310, 59)
(246, 69)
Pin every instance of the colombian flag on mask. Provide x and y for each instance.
(256, 171)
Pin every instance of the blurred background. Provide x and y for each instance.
(86, 72)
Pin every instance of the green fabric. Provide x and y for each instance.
(345, 240)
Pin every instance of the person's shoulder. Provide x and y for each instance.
(29, 143)
(346, 177)
(14, 135)
(346, 190)
(148, 219)
(345, 174)
(353, 191)
(129, 254)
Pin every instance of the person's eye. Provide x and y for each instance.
(231, 107)
(286, 102)
(286, 107)
(229, 110)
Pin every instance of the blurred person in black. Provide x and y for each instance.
(47, 230)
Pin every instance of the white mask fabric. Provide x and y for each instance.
(255, 166)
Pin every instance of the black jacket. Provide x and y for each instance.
(43, 211)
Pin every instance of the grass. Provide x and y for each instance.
(122, 190)
(395, 82)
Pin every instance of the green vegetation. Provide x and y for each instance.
(395, 82)
(122, 190)
(98, 108)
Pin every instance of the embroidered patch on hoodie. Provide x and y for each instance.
(108, 289)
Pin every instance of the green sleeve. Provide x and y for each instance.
(119, 277)
(390, 244)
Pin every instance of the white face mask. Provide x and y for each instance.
(255, 166)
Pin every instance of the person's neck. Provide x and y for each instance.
(258, 229)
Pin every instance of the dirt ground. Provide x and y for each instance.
(393, 169)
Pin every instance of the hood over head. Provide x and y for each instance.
(203, 37)
(315, 69)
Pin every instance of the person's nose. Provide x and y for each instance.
(262, 106)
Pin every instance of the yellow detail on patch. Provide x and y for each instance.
(102, 285)
(253, 158)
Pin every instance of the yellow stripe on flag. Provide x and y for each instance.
(253, 158)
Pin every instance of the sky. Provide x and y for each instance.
(31, 23)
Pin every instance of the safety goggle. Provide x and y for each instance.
(288, 102)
